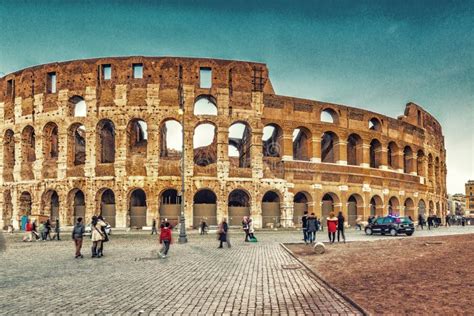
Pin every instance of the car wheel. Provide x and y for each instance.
(368, 231)
(393, 232)
(409, 234)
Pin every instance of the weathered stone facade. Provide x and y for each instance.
(319, 156)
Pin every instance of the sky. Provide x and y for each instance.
(375, 55)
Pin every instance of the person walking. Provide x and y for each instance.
(203, 227)
(165, 239)
(47, 230)
(340, 227)
(251, 230)
(448, 218)
(77, 236)
(27, 236)
(246, 228)
(153, 227)
(34, 231)
(331, 222)
(57, 229)
(304, 224)
(223, 232)
(312, 227)
(430, 221)
(97, 236)
(421, 221)
(358, 224)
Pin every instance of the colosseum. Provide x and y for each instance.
(105, 136)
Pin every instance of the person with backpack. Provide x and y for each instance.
(77, 236)
(105, 235)
(97, 236)
(165, 239)
(251, 230)
(312, 227)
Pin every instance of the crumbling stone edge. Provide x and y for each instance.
(319, 277)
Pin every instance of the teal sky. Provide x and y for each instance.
(376, 55)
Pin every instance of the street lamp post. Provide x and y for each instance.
(182, 226)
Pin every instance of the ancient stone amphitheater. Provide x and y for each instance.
(105, 136)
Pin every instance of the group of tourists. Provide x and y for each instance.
(44, 232)
(311, 225)
(99, 236)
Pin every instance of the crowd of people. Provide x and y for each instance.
(311, 225)
(45, 231)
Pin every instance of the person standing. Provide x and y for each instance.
(57, 229)
(448, 217)
(223, 231)
(331, 222)
(203, 227)
(245, 227)
(304, 225)
(153, 227)
(27, 236)
(77, 236)
(105, 236)
(47, 229)
(421, 221)
(340, 227)
(311, 227)
(34, 231)
(430, 221)
(97, 236)
(251, 230)
(165, 239)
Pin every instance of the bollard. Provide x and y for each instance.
(319, 248)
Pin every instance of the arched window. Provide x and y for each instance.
(77, 144)
(8, 155)
(137, 135)
(240, 142)
(420, 163)
(302, 148)
(205, 105)
(392, 152)
(375, 153)
(205, 144)
(171, 140)
(354, 150)
(50, 141)
(374, 124)
(77, 106)
(329, 152)
(407, 159)
(106, 133)
(28, 144)
(329, 116)
(272, 140)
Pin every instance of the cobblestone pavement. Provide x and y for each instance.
(197, 278)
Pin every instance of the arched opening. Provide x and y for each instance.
(25, 208)
(392, 153)
(171, 140)
(76, 145)
(107, 206)
(137, 137)
(354, 150)
(409, 207)
(239, 206)
(78, 205)
(170, 206)
(106, 141)
(374, 124)
(8, 155)
(420, 158)
(300, 205)
(329, 153)
(271, 209)
(329, 116)
(393, 206)
(240, 143)
(272, 141)
(205, 105)
(205, 208)
(50, 141)
(7, 208)
(28, 152)
(422, 208)
(302, 148)
(376, 206)
(329, 202)
(355, 209)
(137, 209)
(77, 107)
(50, 204)
(407, 159)
(375, 153)
(430, 168)
(205, 144)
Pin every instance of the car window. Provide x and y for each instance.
(379, 220)
(387, 220)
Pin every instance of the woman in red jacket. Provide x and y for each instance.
(332, 227)
(165, 239)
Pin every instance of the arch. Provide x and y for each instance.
(420, 163)
(355, 209)
(137, 137)
(170, 205)
(107, 205)
(375, 125)
(393, 206)
(50, 204)
(375, 153)
(205, 207)
(430, 167)
(354, 150)
(205, 105)
(300, 205)
(106, 141)
(328, 115)
(392, 154)
(271, 213)
(240, 137)
(302, 144)
(407, 159)
(238, 206)
(329, 202)
(7, 208)
(421, 208)
(137, 208)
(25, 205)
(171, 140)
(329, 150)
(77, 206)
(50, 141)
(77, 106)
(272, 140)
(409, 208)
(76, 145)
(8, 155)
(205, 144)
(28, 144)
(376, 206)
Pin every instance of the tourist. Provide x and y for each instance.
(331, 222)
(340, 227)
(153, 227)
(77, 235)
(448, 218)
(203, 227)
(251, 230)
(165, 239)
(27, 236)
(304, 224)
(312, 227)
(430, 221)
(97, 236)
(56, 230)
(421, 221)
(245, 227)
(47, 230)
(223, 233)
(34, 231)
(104, 229)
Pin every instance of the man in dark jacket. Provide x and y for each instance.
(340, 227)
(57, 230)
(223, 233)
(304, 222)
(77, 235)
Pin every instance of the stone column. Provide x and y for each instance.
(383, 158)
(365, 156)
(62, 153)
(340, 152)
(316, 140)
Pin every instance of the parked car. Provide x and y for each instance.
(391, 225)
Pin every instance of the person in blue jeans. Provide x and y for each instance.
(311, 227)
(304, 221)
